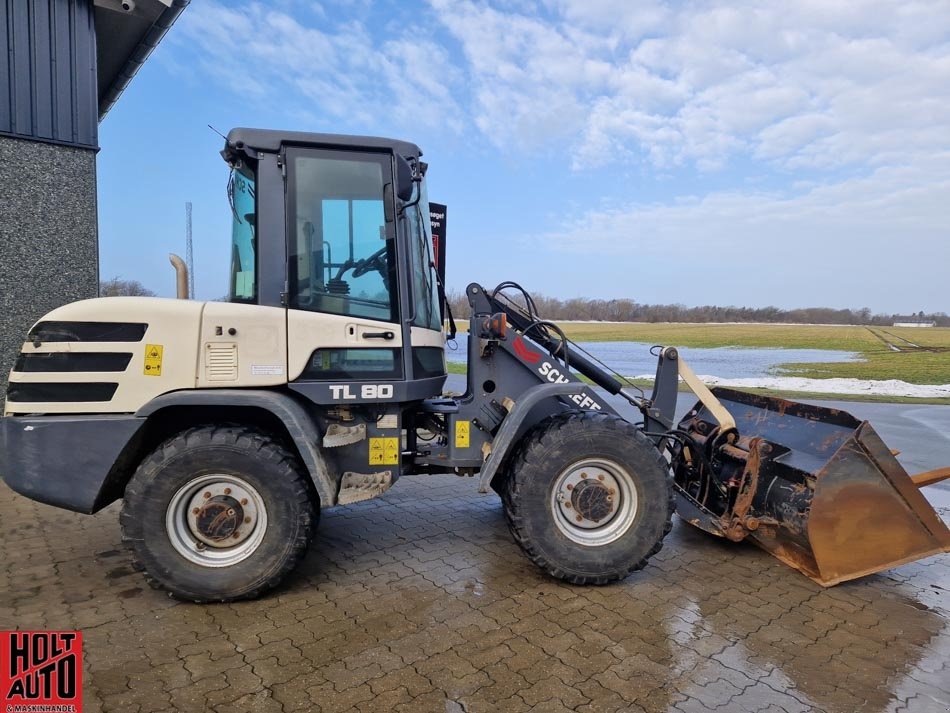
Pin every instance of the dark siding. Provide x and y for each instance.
(48, 71)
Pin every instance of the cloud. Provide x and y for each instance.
(346, 72)
(877, 239)
(814, 85)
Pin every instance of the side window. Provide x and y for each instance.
(341, 260)
(243, 198)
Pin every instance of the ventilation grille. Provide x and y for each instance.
(221, 363)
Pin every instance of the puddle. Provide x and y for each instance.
(634, 358)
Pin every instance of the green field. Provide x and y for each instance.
(914, 366)
(879, 362)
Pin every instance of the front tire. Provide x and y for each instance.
(588, 498)
(218, 513)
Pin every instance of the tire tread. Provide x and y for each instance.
(221, 434)
(530, 451)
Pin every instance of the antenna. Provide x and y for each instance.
(189, 251)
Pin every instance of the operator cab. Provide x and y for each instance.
(336, 230)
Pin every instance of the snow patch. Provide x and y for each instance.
(891, 387)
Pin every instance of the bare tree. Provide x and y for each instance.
(117, 287)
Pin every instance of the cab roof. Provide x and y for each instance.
(270, 141)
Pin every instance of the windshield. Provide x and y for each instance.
(243, 199)
(425, 293)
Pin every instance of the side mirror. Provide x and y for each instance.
(403, 179)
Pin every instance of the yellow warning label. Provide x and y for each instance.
(153, 360)
(384, 451)
(463, 431)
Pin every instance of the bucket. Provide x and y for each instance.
(813, 486)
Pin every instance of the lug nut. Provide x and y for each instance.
(584, 475)
(570, 486)
(196, 511)
(600, 477)
(236, 535)
(243, 501)
(199, 545)
(206, 495)
(247, 521)
(567, 504)
(227, 491)
(611, 491)
(580, 519)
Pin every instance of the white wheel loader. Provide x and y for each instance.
(225, 427)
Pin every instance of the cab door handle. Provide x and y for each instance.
(379, 335)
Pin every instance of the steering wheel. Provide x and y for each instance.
(373, 262)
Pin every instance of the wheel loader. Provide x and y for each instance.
(226, 427)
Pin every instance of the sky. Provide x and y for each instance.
(704, 152)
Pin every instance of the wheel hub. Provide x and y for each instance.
(216, 520)
(592, 501)
(588, 496)
(219, 518)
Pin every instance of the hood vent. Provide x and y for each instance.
(221, 361)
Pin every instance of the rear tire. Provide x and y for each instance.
(218, 513)
(588, 497)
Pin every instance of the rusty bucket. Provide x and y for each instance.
(814, 486)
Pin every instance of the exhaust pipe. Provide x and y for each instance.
(181, 276)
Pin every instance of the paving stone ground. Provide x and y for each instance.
(420, 601)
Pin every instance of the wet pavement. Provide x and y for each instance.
(420, 601)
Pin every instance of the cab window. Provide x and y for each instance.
(243, 199)
(342, 254)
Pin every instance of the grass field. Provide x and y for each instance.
(914, 366)
(879, 362)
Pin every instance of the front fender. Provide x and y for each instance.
(508, 430)
(299, 424)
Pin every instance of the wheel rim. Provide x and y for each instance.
(216, 520)
(594, 502)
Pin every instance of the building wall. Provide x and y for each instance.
(48, 78)
(48, 235)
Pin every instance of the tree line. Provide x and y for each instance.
(627, 310)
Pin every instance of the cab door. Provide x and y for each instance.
(345, 339)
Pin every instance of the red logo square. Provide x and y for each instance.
(41, 671)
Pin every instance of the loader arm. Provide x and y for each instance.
(812, 486)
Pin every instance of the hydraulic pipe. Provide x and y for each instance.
(576, 359)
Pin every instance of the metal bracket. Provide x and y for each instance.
(338, 435)
(709, 400)
(362, 486)
(662, 405)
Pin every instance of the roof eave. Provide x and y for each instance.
(141, 53)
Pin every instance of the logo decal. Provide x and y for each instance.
(41, 671)
(522, 350)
